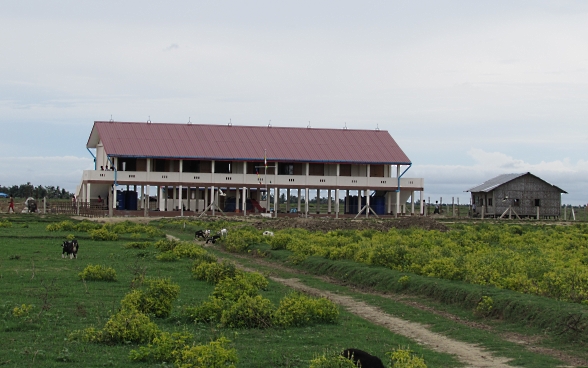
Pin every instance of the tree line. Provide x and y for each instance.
(38, 192)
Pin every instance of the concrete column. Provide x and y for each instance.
(412, 203)
(367, 202)
(306, 201)
(329, 201)
(299, 208)
(397, 193)
(244, 201)
(318, 201)
(112, 203)
(288, 200)
(367, 170)
(337, 202)
(358, 202)
(180, 190)
(175, 197)
(276, 200)
(162, 199)
(212, 198)
(88, 193)
(237, 199)
(145, 200)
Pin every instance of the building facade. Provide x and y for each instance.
(187, 164)
(522, 195)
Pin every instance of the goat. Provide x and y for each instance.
(222, 233)
(268, 233)
(362, 359)
(70, 248)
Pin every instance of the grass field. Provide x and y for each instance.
(32, 273)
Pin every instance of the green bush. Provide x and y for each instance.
(165, 245)
(214, 355)
(193, 251)
(169, 256)
(331, 360)
(6, 223)
(240, 240)
(242, 284)
(164, 347)
(402, 358)
(129, 325)
(297, 309)
(98, 273)
(279, 241)
(137, 245)
(102, 234)
(248, 312)
(156, 300)
(213, 272)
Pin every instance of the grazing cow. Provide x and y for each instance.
(268, 233)
(362, 359)
(213, 239)
(202, 234)
(222, 233)
(70, 248)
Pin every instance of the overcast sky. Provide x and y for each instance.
(468, 89)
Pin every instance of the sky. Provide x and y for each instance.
(468, 89)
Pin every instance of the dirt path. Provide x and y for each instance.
(469, 354)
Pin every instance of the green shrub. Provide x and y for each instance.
(129, 325)
(331, 360)
(7, 223)
(239, 241)
(214, 355)
(169, 256)
(98, 273)
(193, 251)
(213, 272)
(485, 306)
(22, 311)
(137, 245)
(156, 300)
(279, 241)
(297, 309)
(86, 226)
(164, 347)
(102, 234)
(248, 312)
(208, 311)
(242, 284)
(402, 358)
(70, 237)
(165, 245)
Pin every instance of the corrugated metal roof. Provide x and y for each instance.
(224, 142)
(493, 183)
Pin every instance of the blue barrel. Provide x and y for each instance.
(379, 205)
(130, 200)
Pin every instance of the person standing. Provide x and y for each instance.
(11, 205)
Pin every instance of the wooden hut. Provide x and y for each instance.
(518, 195)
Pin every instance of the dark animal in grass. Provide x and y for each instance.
(362, 359)
(213, 239)
(202, 234)
(70, 248)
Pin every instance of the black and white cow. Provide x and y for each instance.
(362, 359)
(213, 239)
(70, 248)
(202, 234)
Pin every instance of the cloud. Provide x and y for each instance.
(65, 171)
(173, 46)
(452, 180)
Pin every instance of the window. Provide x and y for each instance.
(537, 202)
(191, 166)
(489, 201)
(285, 168)
(222, 167)
(516, 202)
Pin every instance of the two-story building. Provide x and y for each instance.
(189, 165)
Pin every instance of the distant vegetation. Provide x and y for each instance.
(29, 190)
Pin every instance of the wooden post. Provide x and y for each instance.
(452, 206)
(537, 213)
(458, 207)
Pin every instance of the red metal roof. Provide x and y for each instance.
(224, 142)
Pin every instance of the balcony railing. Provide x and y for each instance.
(249, 180)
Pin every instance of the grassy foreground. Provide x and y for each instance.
(52, 302)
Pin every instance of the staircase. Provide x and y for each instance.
(257, 206)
